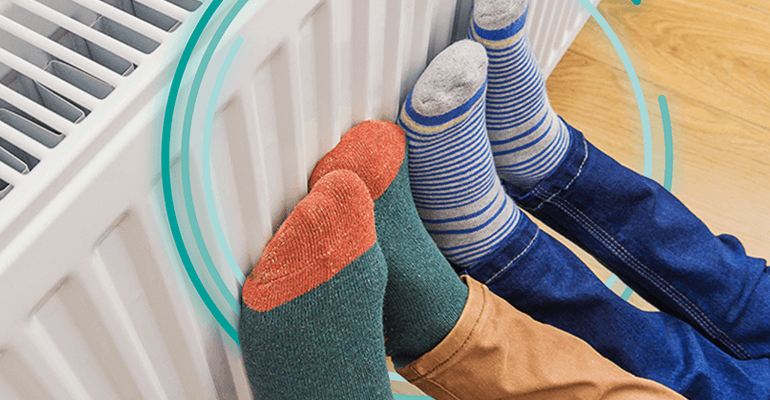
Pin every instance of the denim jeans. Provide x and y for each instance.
(711, 339)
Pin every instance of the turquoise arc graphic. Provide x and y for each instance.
(645, 117)
(169, 202)
(168, 195)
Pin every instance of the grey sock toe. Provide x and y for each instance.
(497, 14)
(453, 77)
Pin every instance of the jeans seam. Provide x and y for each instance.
(489, 281)
(624, 255)
(538, 189)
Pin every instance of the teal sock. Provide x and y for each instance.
(452, 173)
(311, 321)
(528, 139)
(424, 297)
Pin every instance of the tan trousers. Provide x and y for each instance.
(498, 352)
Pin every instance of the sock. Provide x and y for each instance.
(311, 321)
(528, 139)
(424, 297)
(455, 187)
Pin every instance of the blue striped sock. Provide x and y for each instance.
(451, 170)
(528, 139)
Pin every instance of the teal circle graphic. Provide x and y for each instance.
(206, 157)
(168, 196)
(631, 72)
(186, 181)
(646, 131)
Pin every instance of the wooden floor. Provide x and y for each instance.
(711, 59)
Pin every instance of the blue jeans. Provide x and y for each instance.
(711, 339)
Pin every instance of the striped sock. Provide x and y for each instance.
(528, 139)
(311, 321)
(424, 297)
(452, 173)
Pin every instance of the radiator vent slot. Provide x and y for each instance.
(4, 188)
(61, 59)
(87, 49)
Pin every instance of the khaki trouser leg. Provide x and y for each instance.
(497, 352)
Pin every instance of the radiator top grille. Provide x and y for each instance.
(60, 59)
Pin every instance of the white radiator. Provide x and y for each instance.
(94, 300)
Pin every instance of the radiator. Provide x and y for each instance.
(94, 300)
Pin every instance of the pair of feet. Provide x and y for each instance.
(480, 110)
(349, 277)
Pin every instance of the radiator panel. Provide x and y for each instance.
(100, 305)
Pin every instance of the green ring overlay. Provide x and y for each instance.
(646, 131)
(206, 160)
(186, 184)
(168, 196)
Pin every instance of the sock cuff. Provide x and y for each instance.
(329, 229)
(492, 38)
(374, 150)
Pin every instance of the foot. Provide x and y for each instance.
(452, 173)
(528, 139)
(311, 321)
(424, 297)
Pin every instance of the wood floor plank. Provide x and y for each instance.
(721, 162)
(714, 51)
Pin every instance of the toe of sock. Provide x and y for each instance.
(374, 150)
(497, 14)
(328, 229)
(453, 77)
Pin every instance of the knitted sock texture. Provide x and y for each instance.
(452, 173)
(424, 297)
(528, 139)
(311, 321)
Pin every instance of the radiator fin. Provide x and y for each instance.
(396, 25)
(56, 69)
(318, 81)
(70, 318)
(20, 381)
(250, 163)
(274, 90)
(134, 274)
(228, 166)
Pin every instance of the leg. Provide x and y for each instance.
(543, 279)
(635, 227)
(498, 352)
(656, 245)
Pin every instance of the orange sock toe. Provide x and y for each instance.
(327, 230)
(374, 150)
(311, 324)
